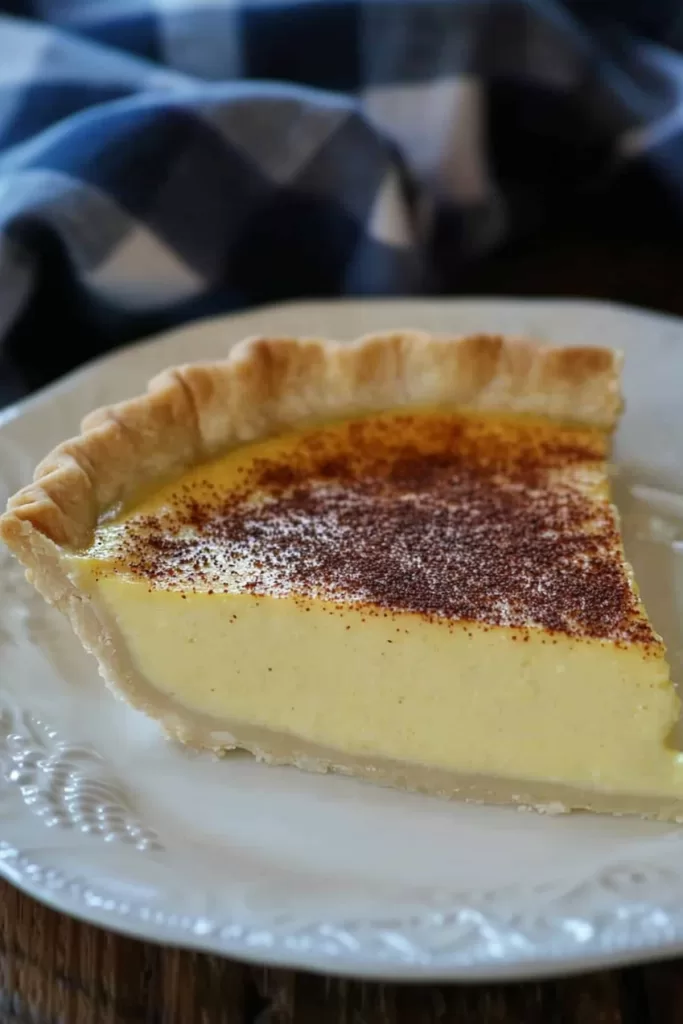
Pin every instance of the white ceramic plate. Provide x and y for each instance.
(104, 819)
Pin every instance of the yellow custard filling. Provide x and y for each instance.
(427, 587)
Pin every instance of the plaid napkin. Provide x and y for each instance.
(161, 159)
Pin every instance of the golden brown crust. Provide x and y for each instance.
(192, 412)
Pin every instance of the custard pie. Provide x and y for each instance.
(395, 558)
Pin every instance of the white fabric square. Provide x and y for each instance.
(280, 135)
(389, 220)
(142, 272)
(439, 127)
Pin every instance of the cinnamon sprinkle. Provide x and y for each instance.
(450, 517)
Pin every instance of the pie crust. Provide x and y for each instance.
(192, 412)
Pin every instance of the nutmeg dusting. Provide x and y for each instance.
(499, 521)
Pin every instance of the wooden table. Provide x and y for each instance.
(54, 969)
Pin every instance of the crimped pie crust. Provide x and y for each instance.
(192, 412)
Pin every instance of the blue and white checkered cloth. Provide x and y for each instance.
(166, 158)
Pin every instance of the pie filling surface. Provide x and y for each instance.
(427, 588)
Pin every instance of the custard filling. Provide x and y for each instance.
(430, 587)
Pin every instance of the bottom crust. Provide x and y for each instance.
(278, 748)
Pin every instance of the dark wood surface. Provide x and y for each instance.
(54, 969)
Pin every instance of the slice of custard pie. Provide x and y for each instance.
(395, 558)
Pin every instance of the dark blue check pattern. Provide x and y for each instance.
(160, 159)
